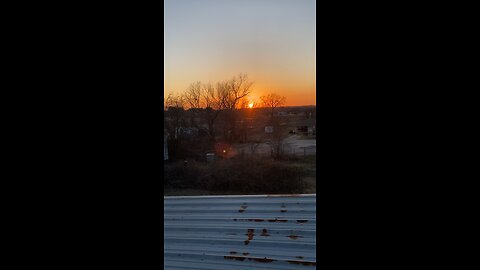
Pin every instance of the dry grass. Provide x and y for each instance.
(241, 176)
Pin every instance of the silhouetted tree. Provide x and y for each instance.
(227, 96)
(277, 139)
(272, 101)
(231, 93)
(174, 120)
(193, 95)
(193, 99)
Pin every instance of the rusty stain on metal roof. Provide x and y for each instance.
(250, 234)
(249, 219)
(294, 237)
(264, 233)
(264, 260)
(277, 220)
(238, 258)
(303, 263)
(209, 232)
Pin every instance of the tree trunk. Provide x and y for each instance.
(232, 126)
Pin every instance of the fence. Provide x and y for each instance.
(267, 150)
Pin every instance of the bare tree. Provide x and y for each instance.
(176, 101)
(174, 114)
(244, 103)
(173, 121)
(193, 95)
(213, 107)
(210, 96)
(227, 96)
(277, 139)
(234, 90)
(231, 93)
(272, 101)
(193, 99)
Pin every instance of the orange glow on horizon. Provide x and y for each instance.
(273, 43)
(297, 93)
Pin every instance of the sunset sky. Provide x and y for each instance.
(273, 41)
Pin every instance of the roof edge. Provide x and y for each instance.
(241, 196)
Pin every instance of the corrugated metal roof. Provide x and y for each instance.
(240, 232)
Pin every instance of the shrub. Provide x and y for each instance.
(179, 175)
(258, 176)
(236, 176)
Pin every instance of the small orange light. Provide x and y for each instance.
(224, 151)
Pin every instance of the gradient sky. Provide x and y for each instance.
(273, 41)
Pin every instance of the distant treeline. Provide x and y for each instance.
(209, 113)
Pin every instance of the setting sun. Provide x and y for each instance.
(250, 105)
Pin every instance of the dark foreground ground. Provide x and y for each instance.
(241, 176)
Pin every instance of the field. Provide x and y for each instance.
(281, 162)
(241, 176)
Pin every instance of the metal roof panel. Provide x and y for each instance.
(240, 232)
